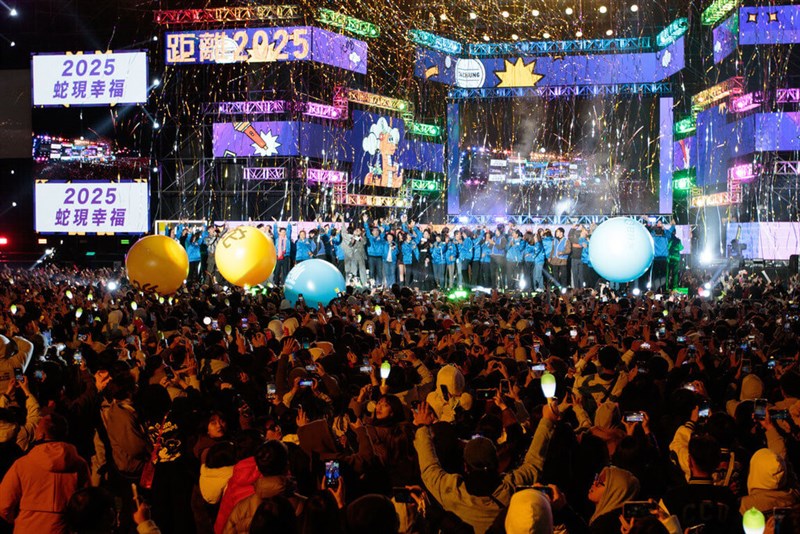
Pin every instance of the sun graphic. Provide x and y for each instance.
(518, 74)
(271, 144)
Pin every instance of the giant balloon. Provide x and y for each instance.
(317, 280)
(621, 250)
(157, 263)
(245, 256)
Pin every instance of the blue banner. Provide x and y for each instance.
(769, 25)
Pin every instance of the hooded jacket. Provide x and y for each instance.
(529, 513)
(767, 484)
(621, 486)
(35, 491)
(10, 361)
(452, 378)
(265, 488)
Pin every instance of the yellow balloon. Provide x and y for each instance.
(245, 256)
(157, 263)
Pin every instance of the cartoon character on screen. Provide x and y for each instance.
(381, 144)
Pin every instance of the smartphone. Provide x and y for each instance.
(573, 333)
(485, 394)
(681, 339)
(311, 368)
(169, 372)
(662, 331)
(548, 332)
(214, 324)
(634, 417)
(760, 408)
(82, 337)
(332, 474)
(77, 358)
(38, 375)
(272, 390)
(704, 409)
(645, 345)
(130, 340)
(432, 338)
(370, 329)
(402, 495)
(547, 490)
(700, 529)
(536, 347)
(540, 367)
(18, 375)
(771, 363)
(638, 509)
(365, 368)
(505, 387)
(306, 383)
(746, 366)
(244, 323)
(591, 339)
(775, 415)
(445, 392)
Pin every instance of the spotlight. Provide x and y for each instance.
(156, 125)
(505, 14)
(486, 37)
(13, 12)
(155, 169)
(13, 204)
(563, 290)
(707, 285)
(609, 32)
(473, 16)
(12, 43)
(706, 256)
(705, 293)
(514, 36)
(112, 285)
(535, 13)
(636, 291)
(443, 17)
(578, 34)
(634, 8)
(569, 11)
(155, 38)
(603, 9)
(546, 35)
(156, 82)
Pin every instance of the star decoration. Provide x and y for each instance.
(271, 147)
(773, 16)
(752, 17)
(518, 74)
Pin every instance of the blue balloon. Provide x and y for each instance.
(621, 250)
(317, 280)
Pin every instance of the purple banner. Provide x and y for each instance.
(719, 143)
(265, 45)
(777, 131)
(725, 38)
(257, 139)
(769, 25)
(683, 155)
(541, 71)
(665, 144)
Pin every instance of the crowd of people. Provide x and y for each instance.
(380, 253)
(395, 410)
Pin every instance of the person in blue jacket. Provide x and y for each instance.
(303, 248)
(409, 253)
(539, 258)
(390, 253)
(528, 255)
(585, 276)
(338, 249)
(514, 251)
(463, 243)
(498, 242)
(192, 245)
(658, 271)
(437, 259)
(375, 251)
(283, 248)
(450, 261)
(475, 264)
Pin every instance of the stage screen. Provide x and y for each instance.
(91, 207)
(86, 79)
(559, 157)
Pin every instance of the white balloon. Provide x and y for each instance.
(621, 250)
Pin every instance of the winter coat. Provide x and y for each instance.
(9, 361)
(240, 486)
(37, 488)
(265, 488)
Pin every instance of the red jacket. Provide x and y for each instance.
(240, 486)
(35, 491)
